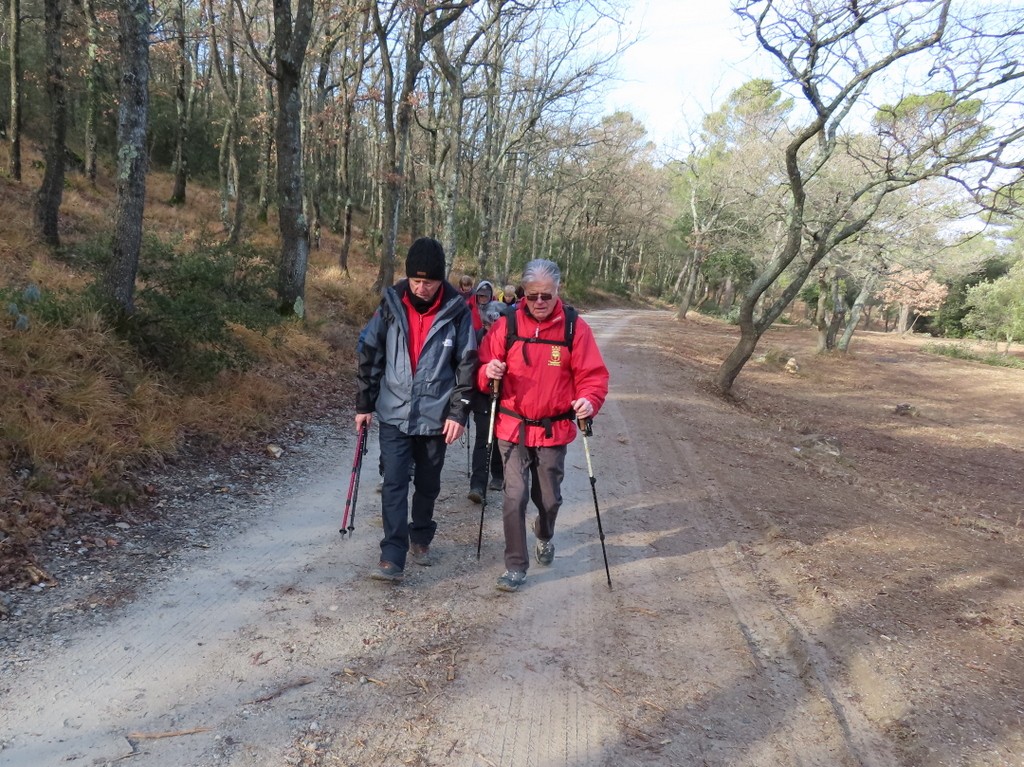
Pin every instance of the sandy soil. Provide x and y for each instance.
(803, 575)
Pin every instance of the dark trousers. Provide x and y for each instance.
(398, 452)
(531, 474)
(478, 479)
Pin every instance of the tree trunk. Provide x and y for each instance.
(181, 106)
(345, 172)
(14, 64)
(92, 88)
(52, 190)
(343, 203)
(266, 147)
(230, 82)
(390, 164)
(855, 313)
(517, 210)
(838, 313)
(397, 122)
(692, 272)
(290, 51)
(903, 324)
(821, 312)
(132, 161)
(728, 294)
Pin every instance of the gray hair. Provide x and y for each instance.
(541, 269)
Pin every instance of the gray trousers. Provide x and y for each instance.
(531, 473)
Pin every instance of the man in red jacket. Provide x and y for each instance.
(550, 377)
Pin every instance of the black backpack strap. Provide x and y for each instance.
(545, 422)
(570, 323)
(512, 332)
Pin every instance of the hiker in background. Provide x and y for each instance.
(551, 374)
(416, 369)
(508, 297)
(482, 295)
(482, 422)
(465, 288)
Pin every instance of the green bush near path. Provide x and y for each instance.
(961, 352)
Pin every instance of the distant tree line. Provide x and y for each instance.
(471, 121)
(845, 178)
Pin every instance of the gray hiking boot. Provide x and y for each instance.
(420, 554)
(386, 571)
(497, 483)
(545, 552)
(511, 580)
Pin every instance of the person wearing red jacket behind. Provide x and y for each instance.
(546, 385)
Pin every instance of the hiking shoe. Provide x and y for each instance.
(511, 580)
(380, 486)
(545, 552)
(420, 554)
(386, 571)
(497, 483)
(476, 495)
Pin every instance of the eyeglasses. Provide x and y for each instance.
(531, 297)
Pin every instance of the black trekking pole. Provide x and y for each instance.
(348, 523)
(469, 463)
(495, 388)
(585, 425)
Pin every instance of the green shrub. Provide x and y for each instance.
(961, 352)
(186, 303)
(29, 305)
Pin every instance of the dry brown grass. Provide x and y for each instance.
(68, 395)
(82, 412)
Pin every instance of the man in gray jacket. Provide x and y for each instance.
(417, 363)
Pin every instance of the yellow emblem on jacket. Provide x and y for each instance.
(556, 357)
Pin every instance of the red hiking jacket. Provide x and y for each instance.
(544, 381)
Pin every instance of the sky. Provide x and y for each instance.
(689, 57)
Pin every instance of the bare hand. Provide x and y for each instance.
(363, 420)
(495, 369)
(583, 408)
(452, 431)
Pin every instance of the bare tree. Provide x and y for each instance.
(14, 65)
(451, 58)
(422, 23)
(837, 55)
(92, 87)
(230, 81)
(52, 189)
(353, 64)
(291, 38)
(132, 160)
(183, 74)
(725, 183)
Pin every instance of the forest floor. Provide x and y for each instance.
(826, 569)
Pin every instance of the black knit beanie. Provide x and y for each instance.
(425, 260)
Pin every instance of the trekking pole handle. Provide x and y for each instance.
(586, 426)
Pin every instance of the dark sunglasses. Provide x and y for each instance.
(531, 297)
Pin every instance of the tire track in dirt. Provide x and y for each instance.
(198, 651)
(687, 660)
(787, 684)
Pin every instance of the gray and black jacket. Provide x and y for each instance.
(417, 404)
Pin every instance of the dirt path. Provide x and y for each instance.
(271, 647)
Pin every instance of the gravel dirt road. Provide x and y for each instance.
(775, 597)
